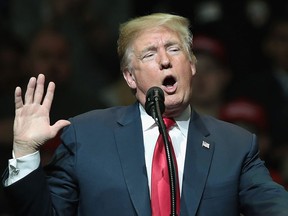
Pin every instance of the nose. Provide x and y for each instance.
(165, 62)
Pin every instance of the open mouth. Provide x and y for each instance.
(169, 81)
(169, 85)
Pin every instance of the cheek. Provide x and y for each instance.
(186, 80)
(143, 84)
(144, 79)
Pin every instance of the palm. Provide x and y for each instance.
(32, 123)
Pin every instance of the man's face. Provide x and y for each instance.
(160, 60)
(49, 55)
(210, 81)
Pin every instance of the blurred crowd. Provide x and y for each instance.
(242, 63)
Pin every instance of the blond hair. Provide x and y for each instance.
(129, 31)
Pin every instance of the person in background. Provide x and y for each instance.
(11, 74)
(116, 94)
(89, 25)
(267, 82)
(251, 115)
(248, 114)
(267, 85)
(275, 73)
(48, 53)
(105, 164)
(275, 48)
(275, 76)
(213, 74)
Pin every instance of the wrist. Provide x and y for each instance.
(22, 149)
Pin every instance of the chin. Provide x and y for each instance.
(173, 101)
(175, 109)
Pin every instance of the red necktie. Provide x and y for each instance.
(160, 184)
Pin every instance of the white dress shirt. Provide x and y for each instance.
(22, 166)
(178, 135)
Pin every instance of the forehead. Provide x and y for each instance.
(155, 37)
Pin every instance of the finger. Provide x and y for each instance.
(49, 95)
(38, 95)
(18, 98)
(58, 126)
(30, 90)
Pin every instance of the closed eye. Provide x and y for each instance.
(173, 49)
(148, 55)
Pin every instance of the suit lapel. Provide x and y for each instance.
(197, 164)
(129, 140)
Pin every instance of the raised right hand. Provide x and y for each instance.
(32, 122)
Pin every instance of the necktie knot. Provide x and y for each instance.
(169, 122)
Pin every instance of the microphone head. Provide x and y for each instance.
(154, 95)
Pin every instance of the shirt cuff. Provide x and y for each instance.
(21, 167)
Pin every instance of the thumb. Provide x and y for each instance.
(59, 125)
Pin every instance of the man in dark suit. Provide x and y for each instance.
(103, 165)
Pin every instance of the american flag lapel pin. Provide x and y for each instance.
(205, 144)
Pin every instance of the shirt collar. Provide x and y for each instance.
(182, 121)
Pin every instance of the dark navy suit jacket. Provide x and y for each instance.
(99, 169)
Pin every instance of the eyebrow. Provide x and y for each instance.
(171, 43)
(149, 48)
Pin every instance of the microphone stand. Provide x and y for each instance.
(169, 157)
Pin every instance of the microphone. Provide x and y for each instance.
(155, 107)
(155, 100)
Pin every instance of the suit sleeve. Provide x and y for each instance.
(259, 194)
(30, 195)
(50, 190)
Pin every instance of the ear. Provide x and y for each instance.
(193, 68)
(130, 79)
